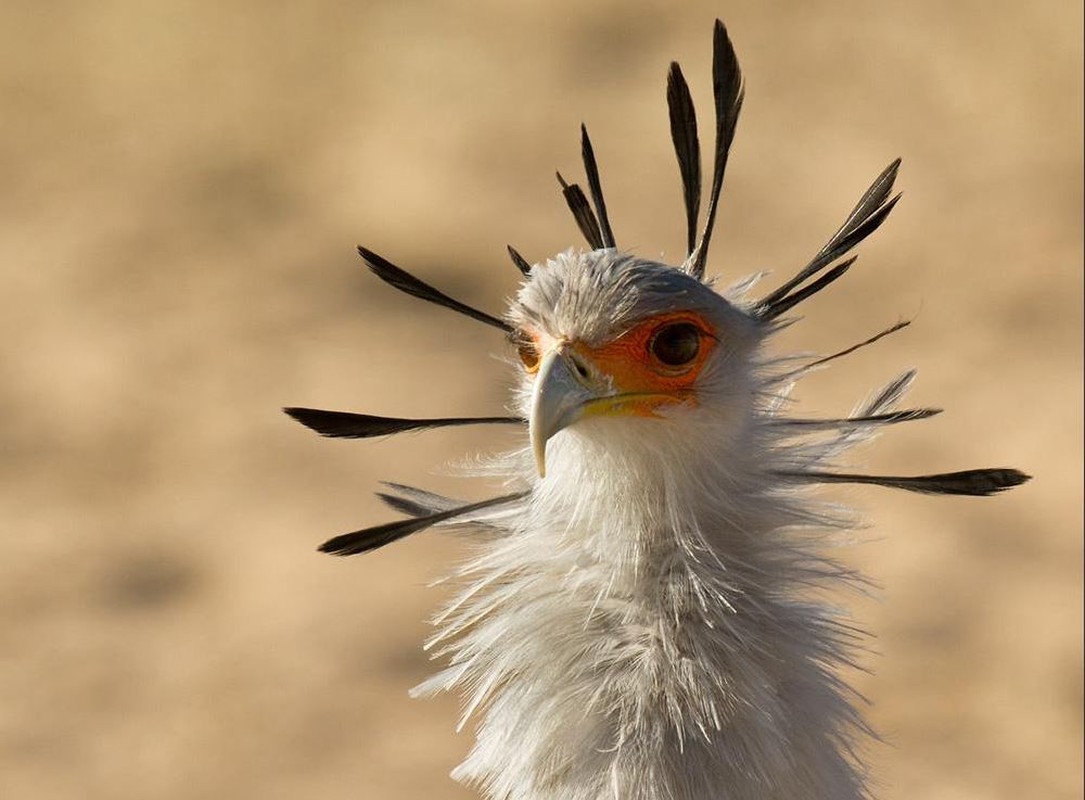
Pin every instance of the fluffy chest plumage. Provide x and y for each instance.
(615, 645)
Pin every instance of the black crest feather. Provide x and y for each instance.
(869, 213)
(405, 282)
(786, 303)
(890, 394)
(347, 425)
(582, 213)
(687, 148)
(974, 482)
(415, 502)
(591, 169)
(886, 418)
(521, 263)
(728, 93)
(366, 539)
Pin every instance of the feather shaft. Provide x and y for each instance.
(849, 350)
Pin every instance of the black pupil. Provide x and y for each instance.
(676, 345)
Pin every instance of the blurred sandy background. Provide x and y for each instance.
(183, 184)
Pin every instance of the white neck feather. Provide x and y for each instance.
(644, 629)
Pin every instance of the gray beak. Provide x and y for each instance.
(561, 393)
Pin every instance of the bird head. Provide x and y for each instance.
(611, 344)
(641, 360)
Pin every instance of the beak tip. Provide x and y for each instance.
(540, 459)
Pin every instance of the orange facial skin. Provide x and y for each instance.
(640, 383)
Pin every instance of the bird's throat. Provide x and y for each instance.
(652, 625)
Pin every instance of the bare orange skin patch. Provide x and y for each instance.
(640, 381)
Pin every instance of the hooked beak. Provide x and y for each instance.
(570, 386)
(562, 392)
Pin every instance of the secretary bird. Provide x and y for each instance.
(642, 615)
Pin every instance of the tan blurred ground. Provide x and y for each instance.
(182, 187)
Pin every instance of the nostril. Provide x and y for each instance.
(579, 367)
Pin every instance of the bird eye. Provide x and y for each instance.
(529, 354)
(676, 345)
